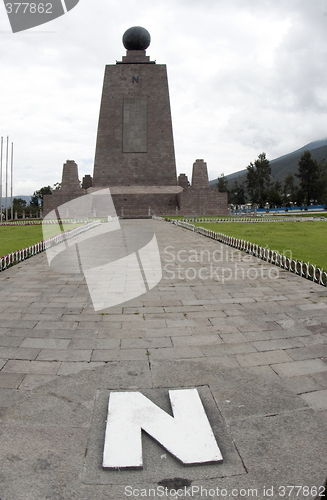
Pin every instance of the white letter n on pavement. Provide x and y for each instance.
(187, 435)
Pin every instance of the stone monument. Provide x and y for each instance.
(134, 154)
(69, 190)
(199, 198)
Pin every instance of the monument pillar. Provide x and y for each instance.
(134, 154)
(200, 198)
(69, 189)
(135, 139)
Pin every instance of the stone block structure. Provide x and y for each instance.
(69, 190)
(199, 198)
(135, 140)
(135, 154)
(87, 182)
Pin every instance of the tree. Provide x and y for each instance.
(323, 183)
(275, 197)
(37, 198)
(236, 194)
(19, 202)
(258, 179)
(18, 206)
(309, 173)
(222, 184)
(252, 183)
(289, 189)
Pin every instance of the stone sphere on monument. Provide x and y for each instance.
(136, 38)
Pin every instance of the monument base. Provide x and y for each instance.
(139, 201)
(143, 201)
(69, 190)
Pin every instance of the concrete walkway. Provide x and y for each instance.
(251, 337)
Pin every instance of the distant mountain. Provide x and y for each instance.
(281, 166)
(23, 197)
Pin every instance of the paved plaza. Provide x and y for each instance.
(252, 338)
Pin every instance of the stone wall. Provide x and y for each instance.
(183, 181)
(70, 188)
(200, 177)
(134, 205)
(87, 182)
(201, 201)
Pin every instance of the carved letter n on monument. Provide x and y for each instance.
(187, 435)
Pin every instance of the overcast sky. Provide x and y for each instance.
(245, 76)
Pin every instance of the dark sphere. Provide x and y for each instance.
(136, 38)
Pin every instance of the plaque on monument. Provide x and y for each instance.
(135, 125)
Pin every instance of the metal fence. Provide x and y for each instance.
(303, 269)
(39, 222)
(20, 255)
(252, 220)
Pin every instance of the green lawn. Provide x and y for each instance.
(306, 241)
(14, 238)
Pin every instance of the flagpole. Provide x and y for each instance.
(11, 178)
(1, 179)
(7, 179)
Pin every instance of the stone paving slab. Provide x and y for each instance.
(32, 367)
(305, 367)
(31, 382)
(10, 380)
(262, 358)
(317, 399)
(302, 384)
(75, 405)
(257, 345)
(321, 378)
